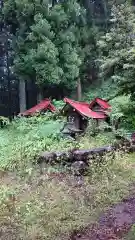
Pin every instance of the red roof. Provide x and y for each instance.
(102, 103)
(43, 105)
(83, 109)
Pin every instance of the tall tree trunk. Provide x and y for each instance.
(89, 6)
(39, 96)
(104, 2)
(79, 90)
(22, 96)
(54, 2)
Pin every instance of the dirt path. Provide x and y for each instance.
(114, 224)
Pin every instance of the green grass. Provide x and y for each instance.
(35, 206)
(131, 234)
(25, 139)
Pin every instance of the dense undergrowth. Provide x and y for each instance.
(53, 204)
(25, 138)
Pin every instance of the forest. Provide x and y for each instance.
(78, 44)
(49, 49)
(78, 58)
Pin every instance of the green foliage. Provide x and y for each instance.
(119, 104)
(116, 66)
(116, 49)
(122, 109)
(3, 121)
(43, 125)
(106, 90)
(26, 138)
(50, 42)
(58, 104)
(131, 234)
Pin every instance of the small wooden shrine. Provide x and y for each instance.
(78, 114)
(43, 106)
(100, 105)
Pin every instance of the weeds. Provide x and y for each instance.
(131, 234)
(48, 205)
(22, 141)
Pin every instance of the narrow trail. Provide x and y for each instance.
(112, 225)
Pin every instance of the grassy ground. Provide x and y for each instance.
(131, 234)
(51, 205)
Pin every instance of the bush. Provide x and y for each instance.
(58, 104)
(26, 138)
(3, 122)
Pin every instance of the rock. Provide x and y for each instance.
(78, 167)
(47, 157)
(81, 155)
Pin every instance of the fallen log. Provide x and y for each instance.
(83, 155)
(53, 157)
(73, 156)
(79, 160)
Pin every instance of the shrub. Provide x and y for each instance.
(58, 104)
(3, 121)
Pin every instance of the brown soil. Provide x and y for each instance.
(114, 224)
